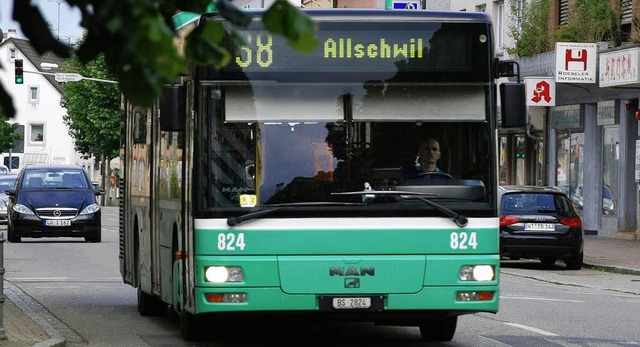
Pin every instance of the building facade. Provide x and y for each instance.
(45, 137)
(587, 141)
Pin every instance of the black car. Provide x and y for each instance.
(540, 222)
(7, 181)
(54, 201)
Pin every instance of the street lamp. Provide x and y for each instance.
(48, 66)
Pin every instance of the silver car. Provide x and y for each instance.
(6, 182)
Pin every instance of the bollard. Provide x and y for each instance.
(3, 335)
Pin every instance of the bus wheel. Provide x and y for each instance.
(438, 329)
(149, 305)
(190, 326)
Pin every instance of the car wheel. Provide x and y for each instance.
(95, 237)
(438, 329)
(548, 262)
(11, 235)
(575, 262)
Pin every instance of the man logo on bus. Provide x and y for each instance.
(541, 92)
(352, 271)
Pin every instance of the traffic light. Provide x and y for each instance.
(520, 150)
(19, 71)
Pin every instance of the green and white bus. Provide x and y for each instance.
(277, 185)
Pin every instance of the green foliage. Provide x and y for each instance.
(93, 109)
(7, 134)
(529, 28)
(593, 21)
(136, 39)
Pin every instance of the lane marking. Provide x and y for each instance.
(539, 299)
(532, 329)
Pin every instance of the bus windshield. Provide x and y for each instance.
(271, 144)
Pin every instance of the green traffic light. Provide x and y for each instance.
(19, 71)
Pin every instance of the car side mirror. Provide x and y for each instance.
(10, 192)
(98, 191)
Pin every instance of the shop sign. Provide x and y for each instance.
(540, 91)
(619, 67)
(606, 113)
(566, 117)
(576, 62)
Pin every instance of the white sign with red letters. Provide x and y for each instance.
(576, 62)
(540, 91)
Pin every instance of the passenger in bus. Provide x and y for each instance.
(426, 163)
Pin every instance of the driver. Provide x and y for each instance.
(426, 161)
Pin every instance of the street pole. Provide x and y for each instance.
(3, 332)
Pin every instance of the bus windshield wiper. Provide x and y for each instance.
(457, 218)
(269, 209)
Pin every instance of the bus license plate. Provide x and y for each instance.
(57, 222)
(351, 303)
(540, 226)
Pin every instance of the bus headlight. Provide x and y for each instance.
(481, 273)
(222, 274)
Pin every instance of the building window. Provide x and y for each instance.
(36, 136)
(12, 53)
(481, 8)
(34, 95)
(499, 15)
(563, 11)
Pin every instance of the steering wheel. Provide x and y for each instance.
(434, 176)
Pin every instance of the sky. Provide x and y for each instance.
(67, 29)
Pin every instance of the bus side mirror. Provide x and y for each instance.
(173, 113)
(512, 105)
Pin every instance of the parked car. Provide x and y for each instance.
(540, 222)
(4, 169)
(6, 182)
(54, 201)
(608, 204)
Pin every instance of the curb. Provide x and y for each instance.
(29, 306)
(612, 268)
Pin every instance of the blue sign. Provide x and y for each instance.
(406, 5)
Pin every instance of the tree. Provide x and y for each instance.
(591, 21)
(93, 109)
(136, 38)
(529, 28)
(8, 136)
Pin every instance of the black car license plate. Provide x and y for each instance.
(57, 222)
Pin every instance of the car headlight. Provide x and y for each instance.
(20, 208)
(93, 208)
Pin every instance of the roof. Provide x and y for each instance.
(529, 189)
(24, 46)
(52, 166)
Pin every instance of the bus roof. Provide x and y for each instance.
(381, 14)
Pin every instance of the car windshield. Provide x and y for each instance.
(48, 178)
(520, 203)
(6, 185)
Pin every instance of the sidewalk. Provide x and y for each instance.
(24, 326)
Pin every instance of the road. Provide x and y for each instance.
(79, 284)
